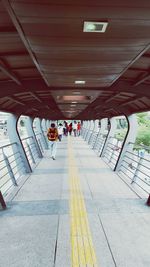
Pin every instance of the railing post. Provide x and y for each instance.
(95, 133)
(130, 138)
(39, 129)
(91, 131)
(40, 145)
(102, 131)
(10, 171)
(148, 201)
(44, 129)
(14, 138)
(87, 130)
(137, 170)
(30, 152)
(83, 128)
(2, 201)
(111, 133)
(29, 127)
(96, 139)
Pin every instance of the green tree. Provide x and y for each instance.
(143, 135)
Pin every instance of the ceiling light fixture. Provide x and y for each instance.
(93, 26)
(79, 82)
(76, 93)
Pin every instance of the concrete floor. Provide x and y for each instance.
(35, 229)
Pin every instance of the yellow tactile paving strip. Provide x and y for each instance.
(83, 254)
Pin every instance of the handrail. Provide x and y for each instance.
(12, 165)
(136, 168)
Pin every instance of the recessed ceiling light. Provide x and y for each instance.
(76, 93)
(93, 26)
(79, 82)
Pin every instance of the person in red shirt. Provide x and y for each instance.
(78, 128)
(70, 128)
(52, 135)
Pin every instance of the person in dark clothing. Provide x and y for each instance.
(70, 128)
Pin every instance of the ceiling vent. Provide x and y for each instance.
(91, 26)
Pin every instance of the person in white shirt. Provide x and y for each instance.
(75, 128)
(60, 131)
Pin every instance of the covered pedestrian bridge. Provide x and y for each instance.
(78, 61)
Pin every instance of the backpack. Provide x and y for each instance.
(52, 134)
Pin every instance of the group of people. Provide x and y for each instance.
(55, 133)
(74, 127)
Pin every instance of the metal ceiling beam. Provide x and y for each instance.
(16, 101)
(146, 55)
(12, 15)
(130, 101)
(39, 100)
(111, 98)
(24, 68)
(8, 31)
(14, 53)
(8, 73)
(36, 97)
(137, 69)
(142, 79)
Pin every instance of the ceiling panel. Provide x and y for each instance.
(44, 51)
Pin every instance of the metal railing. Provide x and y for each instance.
(40, 142)
(93, 138)
(112, 151)
(84, 132)
(135, 166)
(11, 167)
(99, 143)
(88, 135)
(30, 150)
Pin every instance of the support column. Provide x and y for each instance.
(48, 124)
(84, 125)
(104, 123)
(100, 141)
(39, 129)
(92, 128)
(43, 123)
(87, 129)
(130, 138)
(29, 127)
(14, 138)
(111, 133)
(44, 130)
(96, 126)
(94, 136)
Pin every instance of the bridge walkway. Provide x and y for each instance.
(75, 212)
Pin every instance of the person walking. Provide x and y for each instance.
(70, 128)
(78, 128)
(75, 128)
(52, 135)
(60, 131)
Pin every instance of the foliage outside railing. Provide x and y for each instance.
(135, 166)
